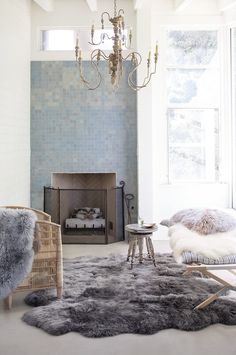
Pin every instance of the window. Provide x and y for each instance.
(193, 106)
(57, 40)
(64, 39)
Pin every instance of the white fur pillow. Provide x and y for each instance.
(203, 221)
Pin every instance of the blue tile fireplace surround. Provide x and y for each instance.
(76, 130)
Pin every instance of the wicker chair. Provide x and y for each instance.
(47, 269)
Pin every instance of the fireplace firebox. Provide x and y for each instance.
(88, 206)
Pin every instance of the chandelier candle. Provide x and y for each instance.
(116, 58)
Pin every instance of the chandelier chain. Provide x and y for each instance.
(115, 8)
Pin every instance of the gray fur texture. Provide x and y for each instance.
(16, 248)
(203, 221)
(103, 297)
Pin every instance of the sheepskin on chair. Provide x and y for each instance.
(16, 247)
(210, 233)
(203, 221)
(211, 246)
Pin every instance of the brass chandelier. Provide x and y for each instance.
(116, 58)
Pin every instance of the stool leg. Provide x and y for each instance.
(8, 302)
(131, 241)
(140, 247)
(151, 250)
(148, 247)
(133, 251)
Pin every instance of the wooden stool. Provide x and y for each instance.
(136, 239)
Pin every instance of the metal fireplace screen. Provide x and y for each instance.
(90, 216)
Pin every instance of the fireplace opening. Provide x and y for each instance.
(88, 206)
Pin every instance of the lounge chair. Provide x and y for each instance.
(222, 270)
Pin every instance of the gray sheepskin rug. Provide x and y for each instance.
(16, 247)
(104, 297)
(203, 221)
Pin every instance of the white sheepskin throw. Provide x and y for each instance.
(212, 246)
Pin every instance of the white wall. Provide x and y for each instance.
(230, 17)
(73, 13)
(15, 102)
(145, 151)
(158, 199)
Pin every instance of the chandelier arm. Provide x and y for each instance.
(145, 83)
(146, 80)
(93, 63)
(81, 72)
(102, 37)
(96, 44)
(133, 86)
(130, 54)
(139, 61)
(147, 76)
(106, 35)
(127, 47)
(152, 73)
(121, 12)
(105, 13)
(95, 66)
(103, 55)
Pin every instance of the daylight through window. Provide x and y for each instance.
(64, 39)
(193, 106)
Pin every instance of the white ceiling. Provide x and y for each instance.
(223, 5)
(178, 5)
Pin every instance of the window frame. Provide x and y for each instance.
(225, 124)
(70, 28)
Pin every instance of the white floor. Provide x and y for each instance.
(17, 338)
